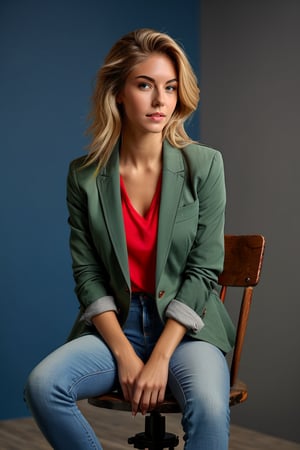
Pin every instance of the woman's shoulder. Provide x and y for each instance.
(78, 162)
(82, 175)
(200, 151)
(202, 160)
(80, 168)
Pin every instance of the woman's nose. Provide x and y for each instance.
(158, 98)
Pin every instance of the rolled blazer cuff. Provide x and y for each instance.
(185, 315)
(101, 305)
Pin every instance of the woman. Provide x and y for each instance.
(146, 211)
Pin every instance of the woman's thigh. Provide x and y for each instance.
(81, 368)
(199, 373)
(199, 380)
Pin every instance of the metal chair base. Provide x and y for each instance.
(154, 437)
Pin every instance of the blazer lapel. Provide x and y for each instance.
(108, 182)
(172, 184)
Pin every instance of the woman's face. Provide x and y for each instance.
(149, 96)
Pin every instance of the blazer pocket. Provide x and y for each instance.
(187, 212)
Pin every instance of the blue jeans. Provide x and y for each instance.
(85, 367)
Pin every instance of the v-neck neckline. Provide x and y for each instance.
(153, 201)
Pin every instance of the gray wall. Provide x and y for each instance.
(250, 110)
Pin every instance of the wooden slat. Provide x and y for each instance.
(116, 402)
(238, 393)
(243, 260)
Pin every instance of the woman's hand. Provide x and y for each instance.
(129, 364)
(129, 368)
(150, 386)
(143, 385)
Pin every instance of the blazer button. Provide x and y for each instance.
(161, 294)
(126, 289)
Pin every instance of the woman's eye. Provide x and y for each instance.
(171, 88)
(144, 86)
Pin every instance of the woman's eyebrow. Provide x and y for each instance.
(153, 80)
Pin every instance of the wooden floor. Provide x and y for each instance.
(116, 427)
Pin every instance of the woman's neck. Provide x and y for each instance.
(139, 151)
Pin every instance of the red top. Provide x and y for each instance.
(141, 234)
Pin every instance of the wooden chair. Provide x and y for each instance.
(242, 266)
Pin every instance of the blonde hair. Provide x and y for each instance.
(105, 116)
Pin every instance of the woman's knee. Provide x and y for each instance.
(37, 388)
(45, 386)
(209, 404)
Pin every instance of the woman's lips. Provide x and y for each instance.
(156, 116)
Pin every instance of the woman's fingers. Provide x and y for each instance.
(146, 399)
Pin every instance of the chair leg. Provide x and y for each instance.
(154, 437)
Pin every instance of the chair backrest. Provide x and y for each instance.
(242, 267)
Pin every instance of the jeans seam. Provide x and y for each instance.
(77, 417)
(88, 375)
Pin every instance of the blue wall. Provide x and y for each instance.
(49, 53)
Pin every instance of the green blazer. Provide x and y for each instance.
(190, 241)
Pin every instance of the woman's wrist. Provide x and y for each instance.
(123, 351)
(171, 336)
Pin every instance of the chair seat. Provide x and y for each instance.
(238, 393)
(114, 400)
